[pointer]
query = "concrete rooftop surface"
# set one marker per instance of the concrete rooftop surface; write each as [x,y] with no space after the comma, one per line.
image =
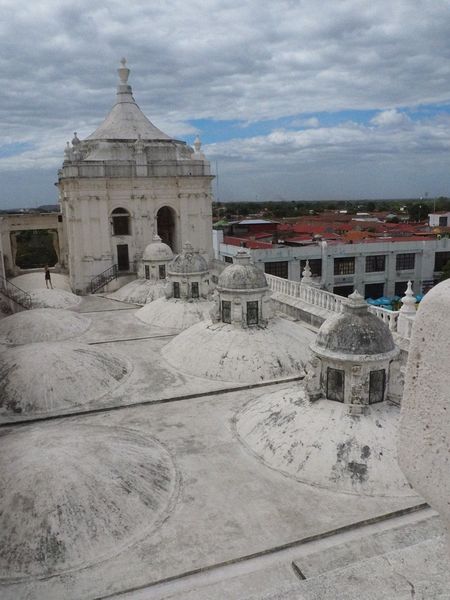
[137,484]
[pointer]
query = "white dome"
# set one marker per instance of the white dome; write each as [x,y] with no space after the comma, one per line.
[57,377]
[174,314]
[139,291]
[229,353]
[322,445]
[354,331]
[188,262]
[74,495]
[44,298]
[242,275]
[42,325]
[157,251]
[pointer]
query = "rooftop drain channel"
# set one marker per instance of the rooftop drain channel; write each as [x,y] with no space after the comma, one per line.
[107,409]
[234,563]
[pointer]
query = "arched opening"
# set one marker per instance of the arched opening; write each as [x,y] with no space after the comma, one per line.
[165,219]
[35,248]
[120,221]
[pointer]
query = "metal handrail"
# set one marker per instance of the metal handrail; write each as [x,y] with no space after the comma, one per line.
[15,293]
[103,278]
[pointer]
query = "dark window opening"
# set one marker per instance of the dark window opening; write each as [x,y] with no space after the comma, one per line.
[335,384]
[344,266]
[440,260]
[226,311]
[147,272]
[443,221]
[279,269]
[176,289]
[252,313]
[162,271]
[228,259]
[194,290]
[123,261]
[405,262]
[375,263]
[377,383]
[166,226]
[120,219]
[374,290]
[343,290]
[315,264]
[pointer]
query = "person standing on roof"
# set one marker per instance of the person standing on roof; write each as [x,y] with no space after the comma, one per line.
[48,280]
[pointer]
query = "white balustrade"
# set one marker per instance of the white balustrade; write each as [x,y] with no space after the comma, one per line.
[333,302]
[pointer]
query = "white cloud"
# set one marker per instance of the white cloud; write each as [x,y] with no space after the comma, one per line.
[391,118]
[222,59]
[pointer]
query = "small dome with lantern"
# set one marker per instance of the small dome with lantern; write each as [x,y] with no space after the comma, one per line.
[186,293]
[351,358]
[157,251]
[188,262]
[243,341]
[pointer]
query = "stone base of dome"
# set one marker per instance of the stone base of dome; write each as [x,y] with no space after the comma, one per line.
[320,444]
[42,325]
[175,314]
[74,495]
[232,354]
[140,291]
[51,377]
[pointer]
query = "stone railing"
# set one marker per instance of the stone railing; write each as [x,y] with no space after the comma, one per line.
[307,293]
[398,322]
[390,317]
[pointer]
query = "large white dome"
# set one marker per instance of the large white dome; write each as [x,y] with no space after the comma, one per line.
[74,495]
[174,313]
[42,325]
[139,291]
[320,444]
[51,377]
[229,353]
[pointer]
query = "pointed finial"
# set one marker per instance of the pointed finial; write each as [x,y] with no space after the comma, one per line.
[156,238]
[408,300]
[67,151]
[197,144]
[306,275]
[188,248]
[356,297]
[123,71]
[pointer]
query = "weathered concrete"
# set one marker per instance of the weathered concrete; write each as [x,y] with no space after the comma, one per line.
[43,378]
[320,444]
[42,325]
[424,436]
[176,314]
[225,352]
[75,495]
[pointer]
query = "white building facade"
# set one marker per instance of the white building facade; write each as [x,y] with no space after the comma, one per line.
[375,269]
[125,183]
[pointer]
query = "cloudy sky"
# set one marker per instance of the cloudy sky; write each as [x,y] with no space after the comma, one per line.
[293,99]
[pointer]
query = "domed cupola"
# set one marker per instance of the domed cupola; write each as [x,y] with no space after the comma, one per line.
[188,274]
[243,297]
[351,356]
[155,259]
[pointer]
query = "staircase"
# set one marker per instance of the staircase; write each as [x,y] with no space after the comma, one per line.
[14,293]
[99,281]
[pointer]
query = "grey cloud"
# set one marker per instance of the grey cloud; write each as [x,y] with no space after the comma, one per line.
[219,59]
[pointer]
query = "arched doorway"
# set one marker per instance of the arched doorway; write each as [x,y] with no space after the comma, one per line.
[165,219]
